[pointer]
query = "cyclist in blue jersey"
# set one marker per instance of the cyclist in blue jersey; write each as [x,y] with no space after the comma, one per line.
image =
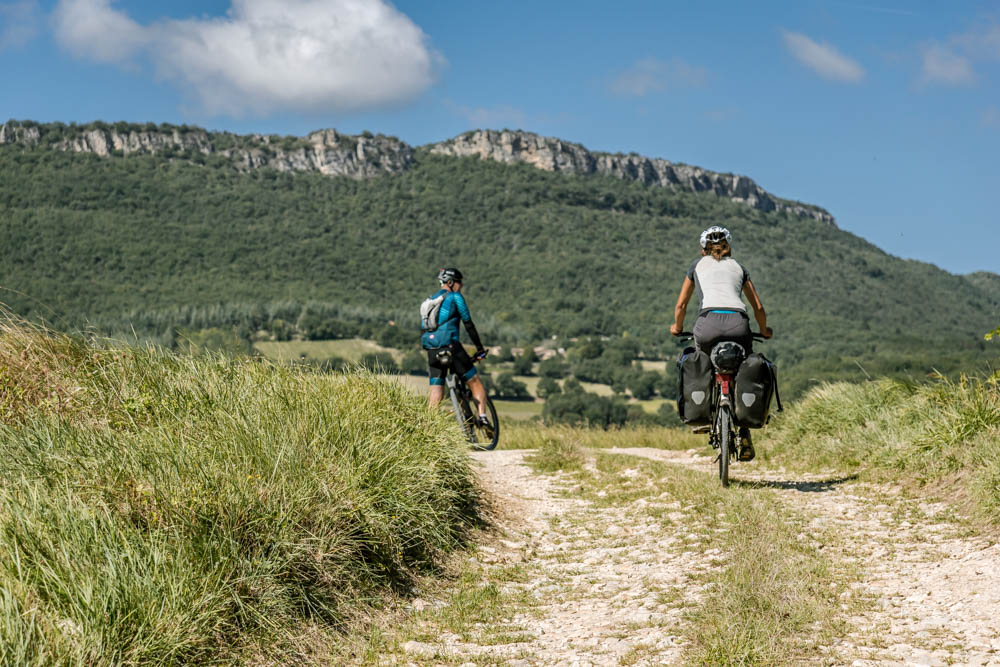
[720,280]
[444,341]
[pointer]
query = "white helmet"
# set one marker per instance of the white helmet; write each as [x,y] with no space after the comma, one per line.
[715,234]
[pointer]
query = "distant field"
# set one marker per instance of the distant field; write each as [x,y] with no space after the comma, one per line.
[519,409]
[648,365]
[350,349]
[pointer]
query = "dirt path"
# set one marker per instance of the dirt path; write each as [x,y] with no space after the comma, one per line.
[608,585]
[936,592]
[605,587]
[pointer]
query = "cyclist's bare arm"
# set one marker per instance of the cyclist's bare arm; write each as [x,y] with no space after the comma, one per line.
[758,309]
[680,310]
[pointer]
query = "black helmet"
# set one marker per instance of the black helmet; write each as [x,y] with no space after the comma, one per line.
[727,356]
[448,275]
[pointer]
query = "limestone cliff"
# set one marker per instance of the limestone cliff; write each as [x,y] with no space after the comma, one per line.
[556,155]
[366,155]
[324,151]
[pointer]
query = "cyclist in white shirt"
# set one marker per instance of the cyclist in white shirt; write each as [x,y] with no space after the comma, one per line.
[720,280]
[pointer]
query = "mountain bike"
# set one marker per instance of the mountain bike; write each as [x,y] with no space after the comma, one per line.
[724,435]
[482,436]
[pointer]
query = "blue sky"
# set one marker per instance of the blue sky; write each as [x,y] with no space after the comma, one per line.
[884,112]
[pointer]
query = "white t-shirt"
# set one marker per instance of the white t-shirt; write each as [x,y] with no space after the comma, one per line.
[719,282]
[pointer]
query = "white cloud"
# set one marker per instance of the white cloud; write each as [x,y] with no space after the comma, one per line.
[952,62]
[651,75]
[267,55]
[18,23]
[823,59]
[982,43]
[92,29]
[944,66]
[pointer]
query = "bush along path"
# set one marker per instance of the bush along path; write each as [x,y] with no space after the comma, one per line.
[637,556]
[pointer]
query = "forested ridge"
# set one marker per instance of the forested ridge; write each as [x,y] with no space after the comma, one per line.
[153,243]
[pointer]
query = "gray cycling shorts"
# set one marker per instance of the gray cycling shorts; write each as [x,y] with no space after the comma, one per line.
[713,327]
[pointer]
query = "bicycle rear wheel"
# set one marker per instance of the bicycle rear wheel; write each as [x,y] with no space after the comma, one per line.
[725,426]
[463,414]
[485,436]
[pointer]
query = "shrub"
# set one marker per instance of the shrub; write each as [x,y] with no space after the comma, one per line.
[414,362]
[506,387]
[642,385]
[166,509]
[547,387]
[585,408]
[553,367]
[380,362]
[400,338]
[523,365]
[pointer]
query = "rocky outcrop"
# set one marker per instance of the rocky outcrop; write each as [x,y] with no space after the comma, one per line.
[15,133]
[366,155]
[555,155]
[335,154]
[324,151]
[104,142]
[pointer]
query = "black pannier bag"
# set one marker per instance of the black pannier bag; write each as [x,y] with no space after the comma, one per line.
[756,383]
[694,397]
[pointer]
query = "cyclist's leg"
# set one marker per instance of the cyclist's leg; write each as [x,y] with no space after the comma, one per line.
[462,366]
[746,452]
[707,332]
[437,373]
[437,393]
[478,392]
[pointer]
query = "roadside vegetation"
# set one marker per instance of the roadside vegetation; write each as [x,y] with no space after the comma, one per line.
[162,509]
[941,434]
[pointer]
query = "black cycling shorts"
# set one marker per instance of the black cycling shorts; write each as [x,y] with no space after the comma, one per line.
[461,363]
[713,327]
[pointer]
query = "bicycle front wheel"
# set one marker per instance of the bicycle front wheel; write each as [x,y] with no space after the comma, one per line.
[725,426]
[485,436]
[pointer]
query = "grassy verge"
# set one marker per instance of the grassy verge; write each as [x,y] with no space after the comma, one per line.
[773,594]
[159,509]
[351,349]
[939,433]
[540,436]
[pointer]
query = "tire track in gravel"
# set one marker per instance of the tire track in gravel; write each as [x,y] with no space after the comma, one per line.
[608,584]
[936,592]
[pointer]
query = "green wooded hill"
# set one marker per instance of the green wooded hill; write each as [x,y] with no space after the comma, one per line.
[153,243]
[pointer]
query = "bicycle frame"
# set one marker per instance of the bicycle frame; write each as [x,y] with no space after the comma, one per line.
[461,402]
[724,435]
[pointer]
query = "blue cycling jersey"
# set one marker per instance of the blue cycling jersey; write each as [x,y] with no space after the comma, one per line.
[453,310]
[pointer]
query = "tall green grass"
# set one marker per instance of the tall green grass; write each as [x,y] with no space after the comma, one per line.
[533,435]
[157,509]
[937,432]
